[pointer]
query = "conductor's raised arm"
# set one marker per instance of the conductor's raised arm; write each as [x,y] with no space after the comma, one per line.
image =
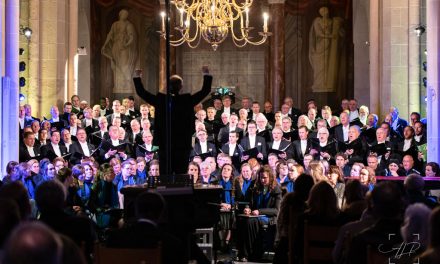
[206,88]
[140,90]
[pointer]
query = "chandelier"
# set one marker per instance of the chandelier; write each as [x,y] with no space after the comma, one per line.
[212,20]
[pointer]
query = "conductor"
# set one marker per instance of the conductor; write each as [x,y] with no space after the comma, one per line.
[181,114]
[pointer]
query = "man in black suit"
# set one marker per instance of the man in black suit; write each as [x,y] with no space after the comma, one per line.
[182,111]
[408,140]
[76,109]
[356,147]
[246,105]
[268,112]
[117,113]
[280,144]
[97,137]
[55,113]
[255,111]
[54,149]
[107,153]
[223,134]
[373,163]
[301,146]
[131,110]
[147,144]
[320,123]
[21,121]
[391,135]
[353,109]
[341,130]
[324,148]
[146,233]
[28,118]
[203,146]
[135,135]
[254,141]
[344,107]
[233,149]
[420,133]
[27,150]
[82,147]
[397,123]
[289,133]
[381,138]
[91,125]
[67,108]
[293,112]
[226,101]
[263,128]
[104,109]
[145,113]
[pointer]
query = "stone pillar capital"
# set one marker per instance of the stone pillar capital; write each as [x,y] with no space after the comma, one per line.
[273,2]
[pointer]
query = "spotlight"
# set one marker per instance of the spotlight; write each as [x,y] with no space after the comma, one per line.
[425,81]
[22,66]
[22,81]
[425,66]
[21,97]
[419,30]
[26,31]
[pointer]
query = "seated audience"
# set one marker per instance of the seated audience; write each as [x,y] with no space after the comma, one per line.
[432,254]
[51,197]
[322,210]
[146,232]
[292,205]
[414,185]
[387,208]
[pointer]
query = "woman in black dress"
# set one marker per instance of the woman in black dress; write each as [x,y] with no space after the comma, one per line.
[257,222]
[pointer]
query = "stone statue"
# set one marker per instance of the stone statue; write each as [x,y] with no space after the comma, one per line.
[323,50]
[120,48]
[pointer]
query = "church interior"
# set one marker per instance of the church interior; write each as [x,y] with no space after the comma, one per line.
[335,89]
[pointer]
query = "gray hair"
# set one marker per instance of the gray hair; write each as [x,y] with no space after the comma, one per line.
[416,224]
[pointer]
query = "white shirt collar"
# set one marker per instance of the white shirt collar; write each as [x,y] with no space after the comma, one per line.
[276,144]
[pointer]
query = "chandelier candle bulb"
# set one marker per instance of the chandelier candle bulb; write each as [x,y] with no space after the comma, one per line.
[266,17]
[162,14]
[181,17]
[247,16]
[213,13]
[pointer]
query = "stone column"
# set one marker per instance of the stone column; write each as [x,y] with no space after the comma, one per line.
[374,57]
[162,55]
[72,22]
[361,50]
[162,48]
[277,70]
[433,88]
[9,92]
[413,58]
